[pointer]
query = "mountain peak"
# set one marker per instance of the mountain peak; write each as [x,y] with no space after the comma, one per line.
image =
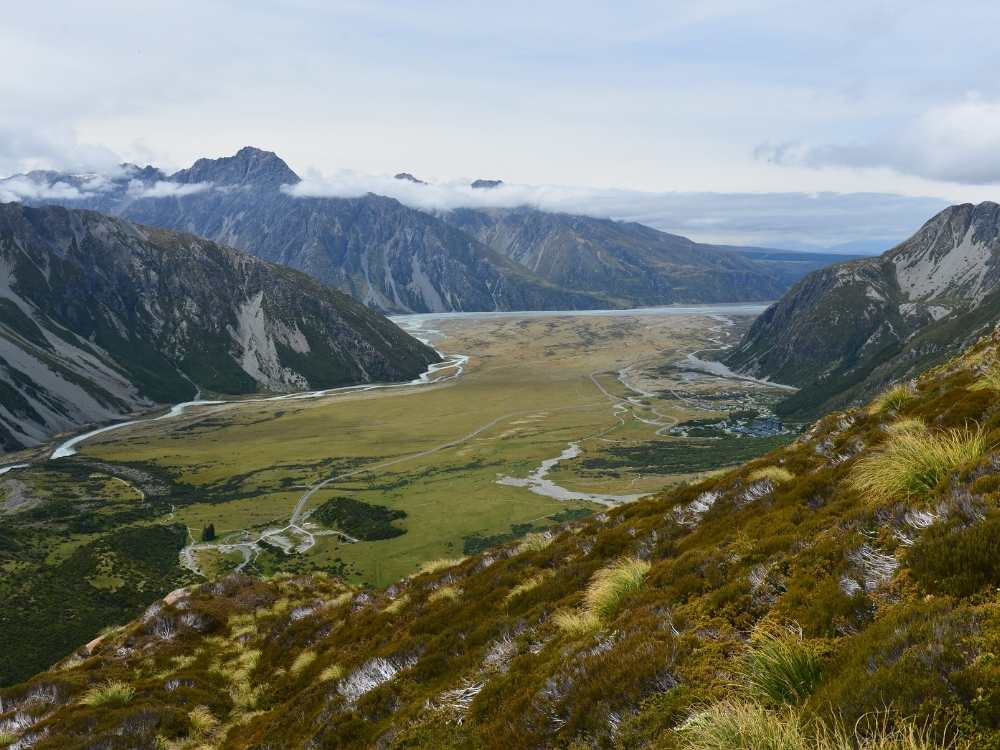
[486,184]
[409,178]
[248,166]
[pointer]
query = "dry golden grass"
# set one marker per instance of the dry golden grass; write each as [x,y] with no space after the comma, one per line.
[433,566]
[893,399]
[532,583]
[915,463]
[745,725]
[776,474]
[111,693]
[609,586]
[202,720]
[780,666]
[450,593]
[397,604]
[534,542]
[302,662]
[332,672]
[576,623]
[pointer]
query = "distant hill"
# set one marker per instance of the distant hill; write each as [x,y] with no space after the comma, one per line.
[846,331]
[100,317]
[400,259]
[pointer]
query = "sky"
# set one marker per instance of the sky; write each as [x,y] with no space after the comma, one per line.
[785,123]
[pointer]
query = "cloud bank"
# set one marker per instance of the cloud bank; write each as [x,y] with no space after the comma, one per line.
[792,220]
[956,142]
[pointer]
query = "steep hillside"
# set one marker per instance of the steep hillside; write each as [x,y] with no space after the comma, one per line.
[844,332]
[841,592]
[630,260]
[100,317]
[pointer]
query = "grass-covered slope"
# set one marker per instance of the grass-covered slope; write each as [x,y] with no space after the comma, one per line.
[839,592]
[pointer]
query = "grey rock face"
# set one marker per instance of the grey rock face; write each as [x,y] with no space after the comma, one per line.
[99,317]
[845,332]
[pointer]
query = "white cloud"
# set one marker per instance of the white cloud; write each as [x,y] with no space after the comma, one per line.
[166,189]
[955,142]
[769,219]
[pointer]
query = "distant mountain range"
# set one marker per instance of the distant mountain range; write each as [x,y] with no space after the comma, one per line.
[401,259]
[844,332]
[100,317]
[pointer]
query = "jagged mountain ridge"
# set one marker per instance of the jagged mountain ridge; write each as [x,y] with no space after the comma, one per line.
[893,601]
[844,332]
[400,259]
[100,317]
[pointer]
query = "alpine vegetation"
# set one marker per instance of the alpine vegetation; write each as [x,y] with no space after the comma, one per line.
[915,463]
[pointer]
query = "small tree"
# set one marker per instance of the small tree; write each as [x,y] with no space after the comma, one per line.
[208,533]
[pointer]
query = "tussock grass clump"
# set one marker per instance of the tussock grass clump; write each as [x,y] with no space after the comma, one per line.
[893,399]
[915,463]
[780,666]
[776,474]
[202,720]
[906,425]
[742,725]
[302,662]
[745,725]
[534,542]
[397,604]
[110,693]
[989,380]
[331,673]
[609,586]
[450,593]
[532,583]
[576,623]
[7,738]
[605,593]
[433,566]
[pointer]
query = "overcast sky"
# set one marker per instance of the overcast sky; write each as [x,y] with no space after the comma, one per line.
[800,99]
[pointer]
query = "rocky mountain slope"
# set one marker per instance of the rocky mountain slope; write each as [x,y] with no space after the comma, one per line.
[630,260]
[844,332]
[400,259]
[100,317]
[841,592]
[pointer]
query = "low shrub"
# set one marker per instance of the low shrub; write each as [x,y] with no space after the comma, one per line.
[915,463]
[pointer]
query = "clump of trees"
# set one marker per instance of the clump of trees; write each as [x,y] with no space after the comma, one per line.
[208,533]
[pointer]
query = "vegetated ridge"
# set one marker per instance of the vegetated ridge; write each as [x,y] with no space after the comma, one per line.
[840,592]
[100,317]
[844,332]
